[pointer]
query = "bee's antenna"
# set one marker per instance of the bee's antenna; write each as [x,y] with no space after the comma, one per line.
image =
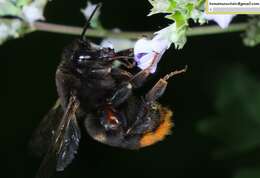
[88,21]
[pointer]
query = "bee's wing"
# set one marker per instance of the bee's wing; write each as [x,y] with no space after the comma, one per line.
[42,136]
[70,145]
[64,143]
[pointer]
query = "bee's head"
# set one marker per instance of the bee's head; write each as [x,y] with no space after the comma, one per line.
[87,52]
[83,53]
[86,56]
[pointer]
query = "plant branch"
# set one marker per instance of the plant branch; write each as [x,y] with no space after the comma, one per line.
[196,31]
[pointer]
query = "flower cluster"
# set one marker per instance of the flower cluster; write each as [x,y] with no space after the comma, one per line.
[27,10]
[149,52]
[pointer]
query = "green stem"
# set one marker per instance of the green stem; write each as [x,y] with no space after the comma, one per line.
[55,28]
[214,29]
[196,31]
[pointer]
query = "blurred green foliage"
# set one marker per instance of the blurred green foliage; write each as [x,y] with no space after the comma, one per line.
[23,13]
[248,173]
[252,34]
[236,124]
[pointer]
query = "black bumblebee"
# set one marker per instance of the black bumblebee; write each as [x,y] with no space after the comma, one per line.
[97,89]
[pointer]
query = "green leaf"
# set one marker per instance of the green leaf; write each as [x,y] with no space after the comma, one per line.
[179,19]
[173,5]
[189,7]
[8,8]
[23,2]
[200,4]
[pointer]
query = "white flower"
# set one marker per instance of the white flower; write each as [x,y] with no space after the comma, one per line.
[149,52]
[88,10]
[221,19]
[159,6]
[4,31]
[33,11]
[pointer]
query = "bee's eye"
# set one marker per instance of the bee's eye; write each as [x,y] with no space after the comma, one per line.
[81,57]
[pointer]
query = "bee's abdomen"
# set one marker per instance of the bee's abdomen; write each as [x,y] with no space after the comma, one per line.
[161,131]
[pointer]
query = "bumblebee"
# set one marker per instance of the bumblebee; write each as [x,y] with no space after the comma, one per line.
[97,89]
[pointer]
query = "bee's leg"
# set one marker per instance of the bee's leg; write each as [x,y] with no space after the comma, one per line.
[120,74]
[159,88]
[126,58]
[138,79]
[127,52]
[124,90]
[120,94]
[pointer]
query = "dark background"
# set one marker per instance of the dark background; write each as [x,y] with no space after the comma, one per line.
[31,62]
